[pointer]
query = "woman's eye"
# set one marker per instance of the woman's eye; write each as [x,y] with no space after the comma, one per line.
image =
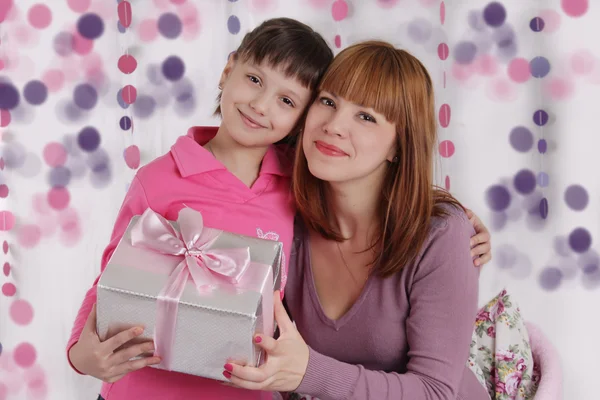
[367,117]
[253,79]
[327,101]
[287,101]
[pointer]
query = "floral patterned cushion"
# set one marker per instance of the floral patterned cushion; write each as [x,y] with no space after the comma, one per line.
[500,353]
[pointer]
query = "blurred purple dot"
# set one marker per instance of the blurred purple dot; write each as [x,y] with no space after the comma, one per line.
[498,198]
[144,106]
[90,26]
[590,269]
[498,221]
[508,52]
[121,101]
[539,67]
[88,139]
[173,68]
[233,25]
[35,92]
[521,139]
[63,44]
[98,160]
[543,179]
[588,258]
[504,36]
[9,96]
[576,197]
[568,267]
[169,25]
[59,176]
[101,177]
[522,268]
[77,166]
[125,123]
[72,112]
[154,74]
[85,96]
[506,256]
[464,52]
[542,146]
[540,117]
[550,278]
[419,30]
[494,14]
[536,24]
[580,240]
[120,27]
[524,181]
[561,246]
[475,20]
[14,155]
[544,208]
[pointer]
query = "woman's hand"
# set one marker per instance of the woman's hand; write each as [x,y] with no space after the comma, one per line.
[481,246]
[109,360]
[286,359]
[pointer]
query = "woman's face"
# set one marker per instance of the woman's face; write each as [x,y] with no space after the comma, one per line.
[345,142]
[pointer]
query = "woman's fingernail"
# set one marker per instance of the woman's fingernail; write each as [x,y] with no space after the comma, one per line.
[258,339]
[228,367]
[227,374]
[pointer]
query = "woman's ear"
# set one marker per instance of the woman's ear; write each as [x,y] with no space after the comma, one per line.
[227,70]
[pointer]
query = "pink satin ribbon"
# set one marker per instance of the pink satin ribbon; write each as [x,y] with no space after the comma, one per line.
[206,267]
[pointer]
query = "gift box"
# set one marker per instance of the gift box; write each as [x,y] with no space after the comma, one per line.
[200,293]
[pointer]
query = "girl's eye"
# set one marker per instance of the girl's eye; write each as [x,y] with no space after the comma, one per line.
[287,101]
[253,79]
[327,101]
[367,117]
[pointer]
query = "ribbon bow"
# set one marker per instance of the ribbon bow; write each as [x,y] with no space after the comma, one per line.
[205,266]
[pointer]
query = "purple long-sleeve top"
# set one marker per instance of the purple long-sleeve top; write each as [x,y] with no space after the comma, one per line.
[407,337]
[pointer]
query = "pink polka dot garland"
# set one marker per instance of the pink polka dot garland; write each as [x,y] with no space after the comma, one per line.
[148,30]
[5,247]
[29,236]
[3,191]
[9,289]
[124,13]
[7,220]
[442,12]
[53,79]
[443,51]
[447,183]
[25,355]
[444,115]
[55,154]
[337,41]
[58,198]
[446,148]
[339,10]
[39,16]
[21,312]
[518,70]
[81,45]
[132,156]
[4,118]
[79,6]
[6,269]
[575,8]
[129,94]
[127,64]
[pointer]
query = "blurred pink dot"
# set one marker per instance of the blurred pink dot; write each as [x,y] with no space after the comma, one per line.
[29,235]
[502,90]
[24,35]
[583,62]
[551,20]
[71,70]
[148,30]
[387,3]
[190,29]
[81,45]
[55,154]
[9,289]
[338,41]
[442,12]
[444,115]
[47,225]
[261,5]
[4,118]
[178,2]
[3,191]
[5,247]
[462,72]
[68,219]
[25,355]
[58,198]
[518,70]
[39,16]
[132,156]
[558,88]
[447,182]
[39,203]
[70,237]
[53,79]
[6,269]
[188,13]
[7,220]
[36,382]
[486,65]
[162,4]
[1,64]
[21,312]
[446,148]
[339,10]
[575,8]
[79,6]
[5,8]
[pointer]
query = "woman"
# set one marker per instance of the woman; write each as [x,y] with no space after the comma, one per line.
[380,284]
